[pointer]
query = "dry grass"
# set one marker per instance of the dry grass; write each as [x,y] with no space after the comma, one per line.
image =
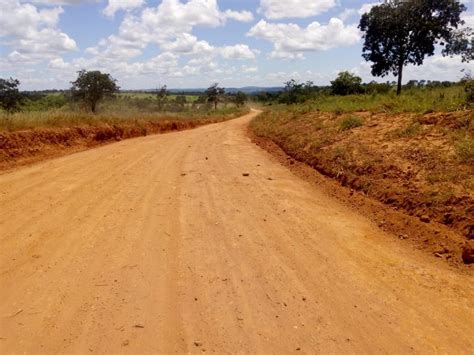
[67,118]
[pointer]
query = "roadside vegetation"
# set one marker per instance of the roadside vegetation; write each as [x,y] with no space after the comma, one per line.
[94,99]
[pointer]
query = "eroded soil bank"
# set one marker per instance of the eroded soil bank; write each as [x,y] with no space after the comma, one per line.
[416,164]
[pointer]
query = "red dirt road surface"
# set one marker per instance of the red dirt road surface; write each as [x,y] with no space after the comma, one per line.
[161,244]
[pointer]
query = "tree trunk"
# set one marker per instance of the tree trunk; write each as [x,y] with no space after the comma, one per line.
[93,104]
[400,76]
[215,105]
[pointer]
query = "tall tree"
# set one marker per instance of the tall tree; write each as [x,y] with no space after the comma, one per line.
[91,87]
[214,94]
[401,32]
[10,96]
[162,97]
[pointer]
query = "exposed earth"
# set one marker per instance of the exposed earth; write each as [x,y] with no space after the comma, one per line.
[200,241]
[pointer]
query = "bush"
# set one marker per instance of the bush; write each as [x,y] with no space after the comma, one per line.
[346,84]
[350,123]
[469,89]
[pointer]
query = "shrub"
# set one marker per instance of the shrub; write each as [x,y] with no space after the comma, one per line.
[346,84]
[350,123]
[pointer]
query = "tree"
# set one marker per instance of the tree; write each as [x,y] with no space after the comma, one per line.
[401,32]
[214,94]
[180,101]
[240,98]
[91,87]
[462,43]
[346,84]
[295,92]
[10,96]
[162,97]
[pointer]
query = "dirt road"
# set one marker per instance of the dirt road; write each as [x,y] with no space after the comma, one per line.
[160,244]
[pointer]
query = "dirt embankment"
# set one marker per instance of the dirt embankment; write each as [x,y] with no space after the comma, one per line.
[24,147]
[417,164]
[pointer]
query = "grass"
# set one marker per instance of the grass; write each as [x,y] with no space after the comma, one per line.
[351,122]
[67,118]
[465,150]
[411,100]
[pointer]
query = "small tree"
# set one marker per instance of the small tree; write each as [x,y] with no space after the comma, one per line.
[400,32]
[10,96]
[214,94]
[240,98]
[346,84]
[91,87]
[162,97]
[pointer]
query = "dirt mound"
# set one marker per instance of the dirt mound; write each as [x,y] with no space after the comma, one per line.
[23,147]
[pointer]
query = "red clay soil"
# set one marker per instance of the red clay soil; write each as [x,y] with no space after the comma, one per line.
[386,177]
[25,147]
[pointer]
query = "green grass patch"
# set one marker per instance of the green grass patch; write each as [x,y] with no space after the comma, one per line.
[465,150]
[351,122]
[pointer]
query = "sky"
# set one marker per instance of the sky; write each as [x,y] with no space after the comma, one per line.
[145,44]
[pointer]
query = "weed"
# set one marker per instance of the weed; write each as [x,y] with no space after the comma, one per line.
[350,123]
[413,129]
[465,150]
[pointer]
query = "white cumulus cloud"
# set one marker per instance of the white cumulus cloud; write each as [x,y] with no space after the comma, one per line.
[277,9]
[291,40]
[33,33]
[124,5]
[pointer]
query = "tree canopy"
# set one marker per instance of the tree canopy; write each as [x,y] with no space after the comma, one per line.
[92,86]
[214,94]
[346,84]
[10,96]
[401,32]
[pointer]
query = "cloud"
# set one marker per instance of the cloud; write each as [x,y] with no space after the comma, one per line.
[33,34]
[278,9]
[436,67]
[124,5]
[248,69]
[291,40]
[60,2]
[238,51]
[241,16]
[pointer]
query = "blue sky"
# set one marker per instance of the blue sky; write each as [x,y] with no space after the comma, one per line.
[192,43]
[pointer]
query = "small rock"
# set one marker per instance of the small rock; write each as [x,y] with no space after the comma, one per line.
[139,326]
[468,252]
[125,343]
[245,174]
[198,343]
[425,219]
[402,236]
[298,349]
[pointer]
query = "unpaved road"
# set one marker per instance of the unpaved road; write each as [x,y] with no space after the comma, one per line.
[160,244]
